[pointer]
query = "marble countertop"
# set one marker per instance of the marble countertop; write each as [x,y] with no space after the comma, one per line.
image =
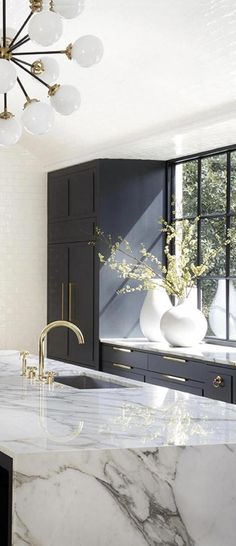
[214,354]
[42,419]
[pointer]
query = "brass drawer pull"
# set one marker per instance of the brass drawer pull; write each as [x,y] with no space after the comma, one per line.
[62,300]
[218,381]
[174,359]
[182,379]
[121,350]
[70,302]
[123,366]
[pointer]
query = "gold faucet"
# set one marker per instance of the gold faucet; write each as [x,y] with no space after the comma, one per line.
[49,376]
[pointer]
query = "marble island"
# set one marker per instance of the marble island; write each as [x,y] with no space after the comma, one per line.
[136,465]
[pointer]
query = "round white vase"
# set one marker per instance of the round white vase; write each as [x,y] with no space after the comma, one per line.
[156,303]
[184,325]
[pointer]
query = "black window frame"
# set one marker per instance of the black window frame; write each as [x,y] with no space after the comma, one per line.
[228,214]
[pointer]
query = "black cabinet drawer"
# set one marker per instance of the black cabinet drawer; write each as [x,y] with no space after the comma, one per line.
[177,365]
[71,231]
[121,355]
[218,385]
[122,370]
[177,383]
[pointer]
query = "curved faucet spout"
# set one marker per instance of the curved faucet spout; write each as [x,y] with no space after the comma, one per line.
[44,333]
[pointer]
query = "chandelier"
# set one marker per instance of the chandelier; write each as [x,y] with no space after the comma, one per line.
[45,27]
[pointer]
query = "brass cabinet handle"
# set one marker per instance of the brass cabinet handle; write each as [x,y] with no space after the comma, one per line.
[122,350]
[182,379]
[123,366]
[70,302]
[174,359]
[218,381]
[62,300]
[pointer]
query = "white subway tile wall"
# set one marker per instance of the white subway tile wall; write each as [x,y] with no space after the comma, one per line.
[23,249]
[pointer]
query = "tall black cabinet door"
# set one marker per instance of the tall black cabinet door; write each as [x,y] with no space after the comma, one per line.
[58,199]
[82,298]
[82,193]
[58,299]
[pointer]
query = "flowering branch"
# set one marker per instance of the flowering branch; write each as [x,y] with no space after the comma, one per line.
[181,271]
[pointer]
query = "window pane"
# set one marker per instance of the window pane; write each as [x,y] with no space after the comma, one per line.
[233,248]
[233,182]
[213,295]
[213,234]
[186,189]
[214,184]
[232,310]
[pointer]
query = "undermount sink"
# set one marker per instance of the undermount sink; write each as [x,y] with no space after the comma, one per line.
[87,382]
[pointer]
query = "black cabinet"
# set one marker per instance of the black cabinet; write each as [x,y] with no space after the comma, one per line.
[58,283]
[71,297]
[6,466]
[174,372]
[176,382]
[71,193]
[123,197]
[219,384]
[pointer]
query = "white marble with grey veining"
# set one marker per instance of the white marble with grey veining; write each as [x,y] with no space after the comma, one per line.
[138,466]
[207,352]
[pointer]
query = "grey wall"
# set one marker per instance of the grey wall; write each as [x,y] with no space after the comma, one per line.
[132,200]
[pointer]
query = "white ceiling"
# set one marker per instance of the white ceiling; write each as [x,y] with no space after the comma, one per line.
[166,86]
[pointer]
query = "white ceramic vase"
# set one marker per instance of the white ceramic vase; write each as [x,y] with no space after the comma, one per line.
[156,303]
[184,325]
[217,311]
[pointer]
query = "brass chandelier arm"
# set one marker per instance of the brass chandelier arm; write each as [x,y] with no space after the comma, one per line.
[20,43]
[5,103]
[17,62]
[24,62]
[59,52]
[21,28]
[23,89]
[4,22]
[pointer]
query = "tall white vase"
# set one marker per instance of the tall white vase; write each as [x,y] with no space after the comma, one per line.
[217,311]
[156,303]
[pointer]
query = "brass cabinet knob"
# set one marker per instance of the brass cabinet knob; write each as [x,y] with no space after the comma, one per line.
[218,381]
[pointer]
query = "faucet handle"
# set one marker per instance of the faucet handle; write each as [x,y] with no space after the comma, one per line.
[48,377]
[31,372]
[23,358]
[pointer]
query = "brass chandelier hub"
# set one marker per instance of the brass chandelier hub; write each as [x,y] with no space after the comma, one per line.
[5,53]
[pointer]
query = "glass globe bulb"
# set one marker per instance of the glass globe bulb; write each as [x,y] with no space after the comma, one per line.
[10,131]
[10,33]
[68,9]
[8,76]
[66,100]
[45,28]
[87,50]
[38,118]
[50,69]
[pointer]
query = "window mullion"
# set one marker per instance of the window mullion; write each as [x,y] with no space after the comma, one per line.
[199,207]
[228,246]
